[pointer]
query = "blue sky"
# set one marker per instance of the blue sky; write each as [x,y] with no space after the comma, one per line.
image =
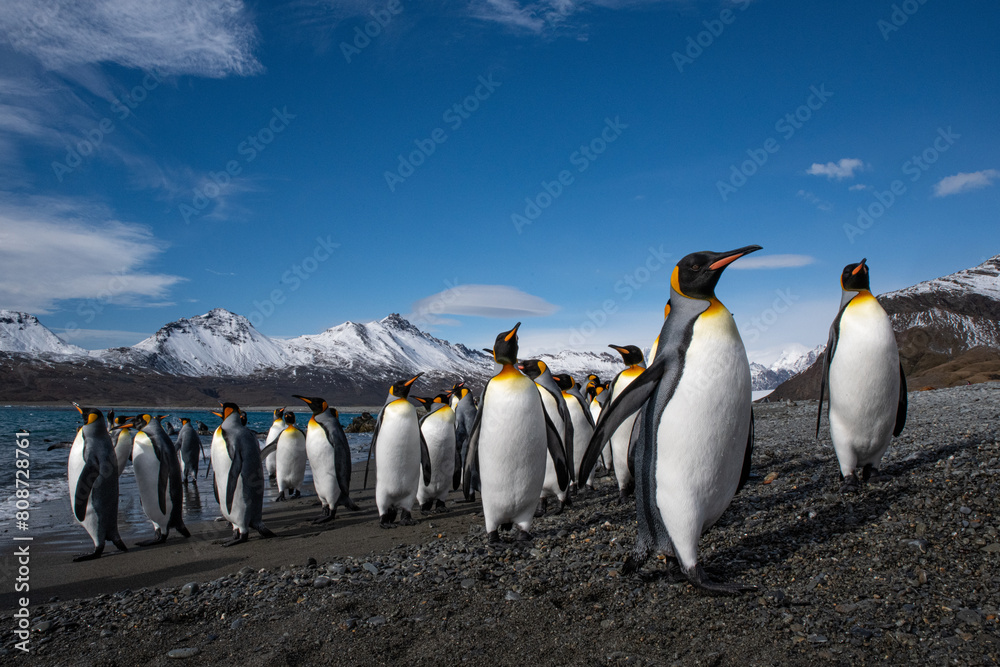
[471,164]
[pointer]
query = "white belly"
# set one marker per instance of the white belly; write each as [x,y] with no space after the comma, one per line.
[512,451]
[702,436]
[74,468]
[864,385]
[290,459]
[439,433]
[146,467]
[582,430]
[550,487]
[397,458]
[622,436]
[123,448]
[323,465]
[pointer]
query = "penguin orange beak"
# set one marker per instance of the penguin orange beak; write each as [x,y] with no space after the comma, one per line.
[859,267]
[412,380]
[512,332]
[730,257]
[622,350]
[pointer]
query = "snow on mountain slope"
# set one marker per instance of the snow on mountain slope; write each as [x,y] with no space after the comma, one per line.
[23,333]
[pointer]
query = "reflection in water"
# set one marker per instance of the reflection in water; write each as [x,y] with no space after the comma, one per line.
[192,498]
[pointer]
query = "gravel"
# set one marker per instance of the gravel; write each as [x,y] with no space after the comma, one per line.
[903,572]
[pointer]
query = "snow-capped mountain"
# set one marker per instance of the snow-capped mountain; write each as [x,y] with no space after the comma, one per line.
[791,362]
[23,333]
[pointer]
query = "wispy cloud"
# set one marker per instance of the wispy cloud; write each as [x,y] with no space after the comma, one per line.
[962,182]
[54,249]
[541,16]
[821,204]
[859,186]
[772,262]
[839,170]
[212,38]
[496,301]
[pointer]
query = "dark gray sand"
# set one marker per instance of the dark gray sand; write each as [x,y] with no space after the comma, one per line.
[903,572]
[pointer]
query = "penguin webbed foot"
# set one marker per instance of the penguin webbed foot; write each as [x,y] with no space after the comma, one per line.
[405,519]
[851,484]
[297,494]
[91,556]
[543,506]
[280,498]
[699,579]
[264,531]
[523,536]
[427,506]
[439,506]
[493,537]
[182,529]
[158,538]
[238,539]
[119,543]
[327,516]
[871,474]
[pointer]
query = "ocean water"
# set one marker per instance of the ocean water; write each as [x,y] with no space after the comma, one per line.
[49,488]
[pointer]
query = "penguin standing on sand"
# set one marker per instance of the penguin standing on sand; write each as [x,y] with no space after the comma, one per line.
[329,457]
[154,453]
[122,435]
[239,476]
[290,458]
[695,426]
[510,442]
[558,414]
[92,471]
[277,426]
[400,457]
[866,382]
[583,422]
[190,447]
[621,438]
[465,417]
[438,430]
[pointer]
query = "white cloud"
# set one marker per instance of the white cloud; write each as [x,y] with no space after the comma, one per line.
[772,262]
[821,204]
[212,38]
[56,249]
[859,186]
[843,168]
[539,16]
[496,301]
[962,182]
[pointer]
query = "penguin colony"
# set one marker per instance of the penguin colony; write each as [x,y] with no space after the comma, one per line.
[677,433]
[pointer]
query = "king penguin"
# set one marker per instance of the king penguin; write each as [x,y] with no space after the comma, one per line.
[93,483]
[438,430]
[557,412]
[465,417]
[239,476]
[329,457]
[866,382]
[583,421]
[122,435]
[190,447]
[695,437]
[510,441]
[621,438]
[400,457]
[290,459]
[277,427]
[160,477]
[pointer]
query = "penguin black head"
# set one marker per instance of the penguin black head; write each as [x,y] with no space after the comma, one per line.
[697,274]
[316,404]
[505,347]
[278,412]
[422,400]
[564,381]
[228,409]
[90,415]
[402,389]
[532,367]
[442,398]
[631,354]
[289,417]
[855,277]
[185,420]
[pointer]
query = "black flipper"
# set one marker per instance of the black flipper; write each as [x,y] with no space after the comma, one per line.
[472,455]
[624,405]
[456,478]
[371,447]
[163,481]
[901,408]
[556,451]
[270,448]
[745,473]
[234,476]
[831,347]
[425,459]
[85,484]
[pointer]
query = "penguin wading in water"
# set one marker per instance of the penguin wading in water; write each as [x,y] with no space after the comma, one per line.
[558,414]
[289,448]
[438,429]
[160,477]
[866,382]
[239,476]
[92,472]
[695,438]
[329,457]
[190,447]
[510,442]
[400,457]
[621,438]
[583,421]
[277,426]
